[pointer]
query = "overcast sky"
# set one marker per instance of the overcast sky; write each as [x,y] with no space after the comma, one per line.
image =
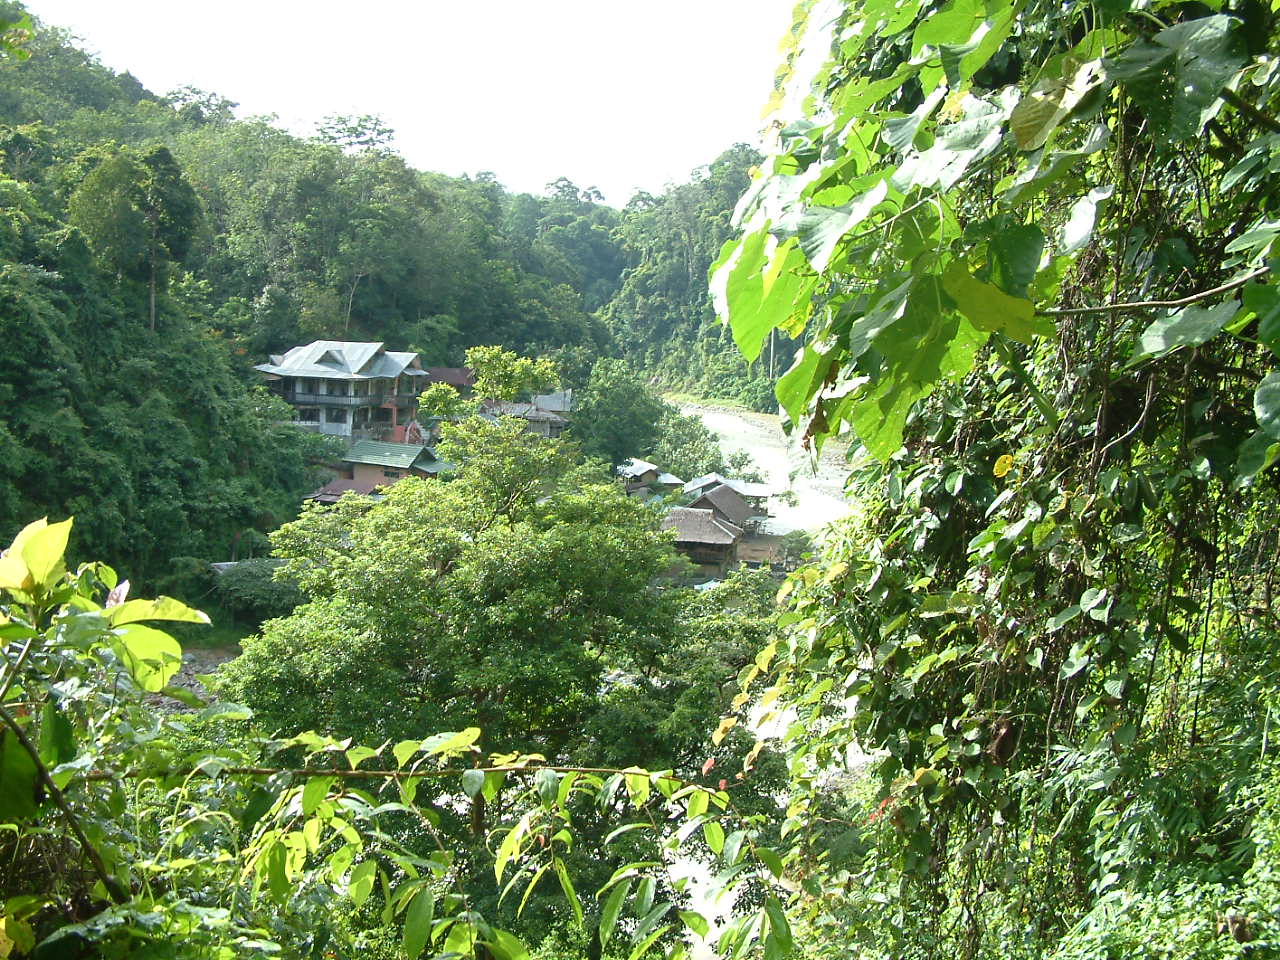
[618,95]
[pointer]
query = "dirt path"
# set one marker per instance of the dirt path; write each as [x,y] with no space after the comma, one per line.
[819,493]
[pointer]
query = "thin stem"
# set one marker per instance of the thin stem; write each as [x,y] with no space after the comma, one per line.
[113,888]
[1250,111]
[1158,304]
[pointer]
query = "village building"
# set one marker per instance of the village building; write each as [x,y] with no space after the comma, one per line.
[544,423]
[560,403]
[757,494]
[371,465]
[706,539]
[642,476]
[347,389]
[727,504]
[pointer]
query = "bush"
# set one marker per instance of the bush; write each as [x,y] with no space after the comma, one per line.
[250,592]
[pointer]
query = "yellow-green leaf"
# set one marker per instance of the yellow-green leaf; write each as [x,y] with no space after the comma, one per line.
[151,656]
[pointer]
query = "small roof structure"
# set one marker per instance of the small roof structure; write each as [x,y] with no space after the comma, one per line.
[454,376]
[343,360]
[383,454]
[669,480]
[635,468]
[525,411]
[745,488]
[332,491]
[559,402]
[727,503]
[700,526]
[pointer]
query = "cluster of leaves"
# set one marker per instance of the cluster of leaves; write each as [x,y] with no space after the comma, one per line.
[661,317]
[133,830]
[1026,249]
[618,416]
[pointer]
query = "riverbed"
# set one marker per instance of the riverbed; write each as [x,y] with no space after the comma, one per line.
[818,484]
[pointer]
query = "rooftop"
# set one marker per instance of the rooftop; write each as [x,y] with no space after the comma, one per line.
[744,488]
[700,526]
[383,454]
[727,502]
[342,360]
[559,402]
[635,468]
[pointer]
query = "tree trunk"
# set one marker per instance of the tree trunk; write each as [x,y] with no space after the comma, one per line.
[152,292]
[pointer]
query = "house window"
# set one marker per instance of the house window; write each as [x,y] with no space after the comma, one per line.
[336,415]
[308,415]
[393,474]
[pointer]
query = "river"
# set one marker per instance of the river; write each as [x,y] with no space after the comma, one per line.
[818,488]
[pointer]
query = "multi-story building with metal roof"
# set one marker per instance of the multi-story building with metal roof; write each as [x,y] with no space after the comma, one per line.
[345,389]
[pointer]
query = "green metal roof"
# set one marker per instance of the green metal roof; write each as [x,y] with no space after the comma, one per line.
[402,455]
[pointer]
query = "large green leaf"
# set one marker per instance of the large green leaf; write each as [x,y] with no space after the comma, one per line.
[161,608]
[798,384]
[417,922]
[1049,102]
[992,310]
[958,145]
[1082,219]
[1266,404]
[759,284]
[44,549]
[151,656]
[57,736]
[1264,300]
[1257,453]
[920,350]
[1177,76]
[17,780]
[821,229]
[1188,327]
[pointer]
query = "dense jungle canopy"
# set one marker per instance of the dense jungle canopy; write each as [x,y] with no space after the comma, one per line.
[153,248]
[1018,255]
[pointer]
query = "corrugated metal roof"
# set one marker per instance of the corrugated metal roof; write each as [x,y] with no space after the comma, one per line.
[340,360]
[558,402]
[385,454]
[635,467]
[744,487]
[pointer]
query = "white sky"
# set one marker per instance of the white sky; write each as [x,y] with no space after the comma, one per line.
[618,95]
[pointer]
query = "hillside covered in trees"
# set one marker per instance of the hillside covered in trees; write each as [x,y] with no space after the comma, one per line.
[152,248]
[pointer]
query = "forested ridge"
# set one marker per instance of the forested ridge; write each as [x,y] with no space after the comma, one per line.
[155,247]
[1017,255]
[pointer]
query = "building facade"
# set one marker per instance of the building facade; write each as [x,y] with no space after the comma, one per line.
[346,389]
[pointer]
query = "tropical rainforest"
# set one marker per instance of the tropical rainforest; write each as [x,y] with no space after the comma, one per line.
[1016,256]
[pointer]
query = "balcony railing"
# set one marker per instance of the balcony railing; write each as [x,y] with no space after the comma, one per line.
[332,400]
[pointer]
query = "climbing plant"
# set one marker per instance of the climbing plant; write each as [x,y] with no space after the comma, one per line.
[1027,249]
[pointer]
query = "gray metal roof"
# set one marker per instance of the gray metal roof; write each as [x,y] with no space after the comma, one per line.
[342,360]
[559,402]
[744,487]
[635,467]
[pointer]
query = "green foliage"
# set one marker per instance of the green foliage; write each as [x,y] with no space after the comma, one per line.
[662,316]
[1024,252]
[616,416]
[493,599]
[504,375]
[252,593]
